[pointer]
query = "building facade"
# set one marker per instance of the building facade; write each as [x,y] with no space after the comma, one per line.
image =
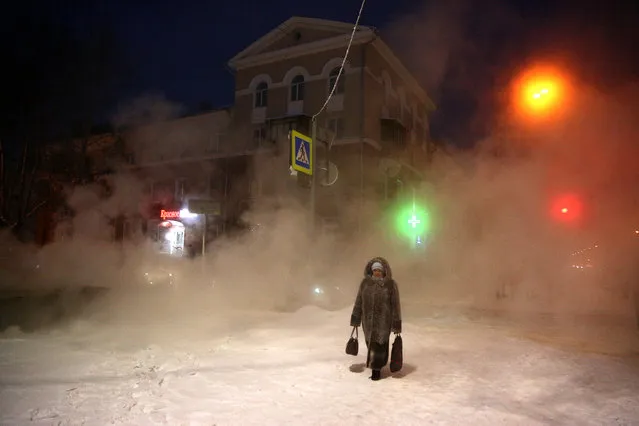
[374,132]
[374,128]
[190,158]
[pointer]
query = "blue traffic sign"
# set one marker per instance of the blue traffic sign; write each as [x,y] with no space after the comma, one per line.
[301,153]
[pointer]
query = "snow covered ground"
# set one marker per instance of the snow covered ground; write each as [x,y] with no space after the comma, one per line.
[244,368]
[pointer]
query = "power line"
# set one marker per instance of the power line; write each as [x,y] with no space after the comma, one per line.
[314,122]
[341,68]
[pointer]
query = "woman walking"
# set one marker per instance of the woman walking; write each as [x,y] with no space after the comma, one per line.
[378,310]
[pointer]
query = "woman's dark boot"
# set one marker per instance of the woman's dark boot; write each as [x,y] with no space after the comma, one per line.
[377,374]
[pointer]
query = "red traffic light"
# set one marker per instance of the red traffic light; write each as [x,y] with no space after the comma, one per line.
[566,208]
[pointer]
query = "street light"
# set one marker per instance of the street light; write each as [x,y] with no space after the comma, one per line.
[540,92]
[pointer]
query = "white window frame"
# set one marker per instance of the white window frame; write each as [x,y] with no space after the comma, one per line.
[260,99]
[297,88]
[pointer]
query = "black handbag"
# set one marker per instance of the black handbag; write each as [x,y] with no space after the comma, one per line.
[397,355]
[352,346]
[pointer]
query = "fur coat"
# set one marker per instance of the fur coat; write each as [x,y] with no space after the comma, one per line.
[377,307]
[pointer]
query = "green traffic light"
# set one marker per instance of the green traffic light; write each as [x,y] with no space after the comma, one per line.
[412,221]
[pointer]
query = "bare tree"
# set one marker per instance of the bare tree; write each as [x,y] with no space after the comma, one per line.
[55,85]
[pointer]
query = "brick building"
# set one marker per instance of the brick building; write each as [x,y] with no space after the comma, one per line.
[376,123]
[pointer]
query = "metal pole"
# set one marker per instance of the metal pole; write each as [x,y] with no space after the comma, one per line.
[385,186]
[327,162]
[204,236]
[362,130]
[313,168]
[203,262]
[413,188]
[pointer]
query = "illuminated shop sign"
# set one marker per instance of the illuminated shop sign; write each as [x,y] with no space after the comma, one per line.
[169,214]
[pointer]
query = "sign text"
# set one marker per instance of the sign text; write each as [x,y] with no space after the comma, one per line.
[169,214]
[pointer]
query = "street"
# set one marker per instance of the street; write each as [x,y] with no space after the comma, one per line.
[200,363]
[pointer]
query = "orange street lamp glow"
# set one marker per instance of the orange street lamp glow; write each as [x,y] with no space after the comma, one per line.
[540,92]
[541,95]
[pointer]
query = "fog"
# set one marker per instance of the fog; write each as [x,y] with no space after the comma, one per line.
[498,240]
[496,219]
[494,243]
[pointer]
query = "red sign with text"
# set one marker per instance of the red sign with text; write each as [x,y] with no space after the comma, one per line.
[169,214]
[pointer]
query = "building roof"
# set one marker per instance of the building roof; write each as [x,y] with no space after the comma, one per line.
[343,30]
[293,23]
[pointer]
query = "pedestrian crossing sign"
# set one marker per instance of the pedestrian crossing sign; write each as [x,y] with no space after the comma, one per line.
[301,153]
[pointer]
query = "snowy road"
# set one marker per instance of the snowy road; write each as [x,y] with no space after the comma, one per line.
[280,369]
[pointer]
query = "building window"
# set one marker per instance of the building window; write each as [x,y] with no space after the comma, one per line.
[393,132]
[336,125]
[297,88]
[259,136]
[332,79]
[261,95]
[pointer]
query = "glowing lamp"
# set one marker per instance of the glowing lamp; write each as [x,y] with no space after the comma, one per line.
[412,221]
[540,92]
[186,214]
[566,208]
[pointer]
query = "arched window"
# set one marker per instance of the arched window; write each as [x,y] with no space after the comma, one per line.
[297,88]
[261,95]
[332,78]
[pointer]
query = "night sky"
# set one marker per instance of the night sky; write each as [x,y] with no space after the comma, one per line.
[180,48]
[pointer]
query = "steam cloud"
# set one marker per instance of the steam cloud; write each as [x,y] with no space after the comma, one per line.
[491,230]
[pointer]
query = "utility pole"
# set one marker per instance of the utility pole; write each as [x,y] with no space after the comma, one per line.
[204,219]
[205,224]
[313,173]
